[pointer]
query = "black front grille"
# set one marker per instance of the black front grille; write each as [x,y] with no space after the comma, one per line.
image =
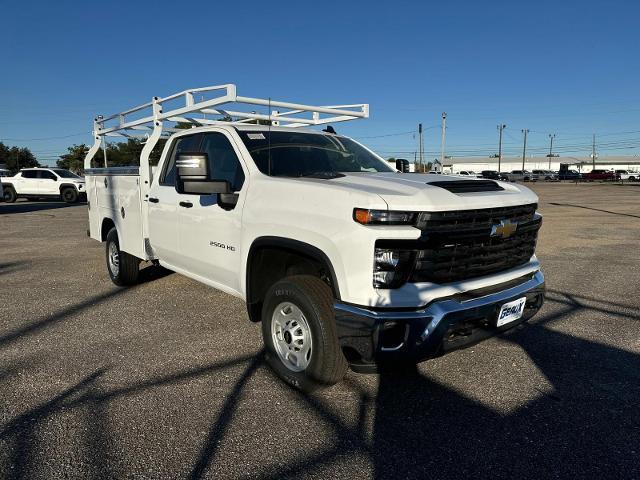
[458,245]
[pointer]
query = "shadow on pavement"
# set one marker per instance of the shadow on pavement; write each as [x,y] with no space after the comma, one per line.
[594,209]
[586,426]
[10,267]
[26,207]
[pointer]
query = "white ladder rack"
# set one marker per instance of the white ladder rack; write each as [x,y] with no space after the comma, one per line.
[149,119]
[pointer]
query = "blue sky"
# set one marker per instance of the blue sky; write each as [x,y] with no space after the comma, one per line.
[565,67]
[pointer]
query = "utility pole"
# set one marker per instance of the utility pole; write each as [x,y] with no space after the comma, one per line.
[524,147]
[444,134]
[551,137]
[593,151]
[501,127]
[420,146]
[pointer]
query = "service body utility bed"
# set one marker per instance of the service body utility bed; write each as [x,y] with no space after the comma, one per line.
[344,260]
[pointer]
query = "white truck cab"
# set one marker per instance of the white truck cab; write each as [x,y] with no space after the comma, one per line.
[40,182]
[344,260]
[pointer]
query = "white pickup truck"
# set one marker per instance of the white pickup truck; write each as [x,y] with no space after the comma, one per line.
[344,260]
[32,183]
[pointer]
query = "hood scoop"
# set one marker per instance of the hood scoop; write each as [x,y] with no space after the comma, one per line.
[468,186]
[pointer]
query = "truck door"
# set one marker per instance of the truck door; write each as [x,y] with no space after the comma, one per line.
[209,232]
[48,183]
[28,182]
[163,204]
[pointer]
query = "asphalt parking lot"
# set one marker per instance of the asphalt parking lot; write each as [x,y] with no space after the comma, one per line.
[166,380]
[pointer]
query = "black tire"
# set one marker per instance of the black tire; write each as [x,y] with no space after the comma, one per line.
[128,267]
[9,194]
[69,195]
[327,364]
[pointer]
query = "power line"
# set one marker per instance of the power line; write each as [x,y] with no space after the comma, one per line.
[43,138]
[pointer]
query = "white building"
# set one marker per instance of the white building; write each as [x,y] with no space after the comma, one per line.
[582,164]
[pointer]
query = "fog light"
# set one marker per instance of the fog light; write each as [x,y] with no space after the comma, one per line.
[387,258]
[382,279]
[391,268]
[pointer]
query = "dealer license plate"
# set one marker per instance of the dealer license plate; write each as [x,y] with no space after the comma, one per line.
[510,312]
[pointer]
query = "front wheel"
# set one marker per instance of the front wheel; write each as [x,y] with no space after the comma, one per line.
[9,195]
[299,333]
[70,195]
[123,267]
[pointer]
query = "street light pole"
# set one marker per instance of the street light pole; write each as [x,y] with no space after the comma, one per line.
[444,136]
[524,148]
[501,127]
[551,137]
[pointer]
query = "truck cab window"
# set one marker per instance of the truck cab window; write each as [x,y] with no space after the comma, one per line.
[44,174]
[189,143]
[223,161]
[30,174]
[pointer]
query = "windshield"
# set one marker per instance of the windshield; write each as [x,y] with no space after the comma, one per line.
[301,154]
[65,173]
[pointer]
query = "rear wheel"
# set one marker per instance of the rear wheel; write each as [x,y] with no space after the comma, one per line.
[299,332]
[123,267]
[70,195]
[9,194]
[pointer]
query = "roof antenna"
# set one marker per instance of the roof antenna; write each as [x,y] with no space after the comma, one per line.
[329,129]
[269,140]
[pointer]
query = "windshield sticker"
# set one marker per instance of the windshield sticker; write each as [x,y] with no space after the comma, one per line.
[255,136]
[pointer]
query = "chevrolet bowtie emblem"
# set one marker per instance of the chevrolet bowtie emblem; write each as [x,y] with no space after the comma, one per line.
[504,229]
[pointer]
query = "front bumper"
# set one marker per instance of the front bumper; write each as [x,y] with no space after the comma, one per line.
[371,338]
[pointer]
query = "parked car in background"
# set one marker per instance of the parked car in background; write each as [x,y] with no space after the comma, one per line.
[522,176]
[569,175]
[493,175]
[469,173]
[602,175]
[33,183]
[546,175]
[4,172]
[628,175]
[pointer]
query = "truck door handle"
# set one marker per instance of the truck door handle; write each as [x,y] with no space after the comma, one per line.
[153,200]
[186,204]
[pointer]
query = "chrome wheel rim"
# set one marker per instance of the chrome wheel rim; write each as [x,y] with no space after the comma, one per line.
[114,259]
[291,336]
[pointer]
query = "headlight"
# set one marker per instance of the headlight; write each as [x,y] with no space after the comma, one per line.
[383,217]
[391,268]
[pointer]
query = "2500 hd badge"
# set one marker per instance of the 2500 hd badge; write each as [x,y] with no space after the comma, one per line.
[222,245]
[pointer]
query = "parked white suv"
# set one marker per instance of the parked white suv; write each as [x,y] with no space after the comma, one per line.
[34,183]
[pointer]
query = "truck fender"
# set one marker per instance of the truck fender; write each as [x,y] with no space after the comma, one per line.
[107,224]
[67,185]
[294,246]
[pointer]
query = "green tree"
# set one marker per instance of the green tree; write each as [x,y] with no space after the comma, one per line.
[74,159]
[16,158]
[118,155]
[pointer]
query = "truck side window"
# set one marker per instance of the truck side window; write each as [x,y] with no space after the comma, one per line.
[47,175]
[189,143]
[30,174]
[223,161]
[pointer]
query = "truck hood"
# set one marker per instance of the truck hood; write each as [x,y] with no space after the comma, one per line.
[413,191]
